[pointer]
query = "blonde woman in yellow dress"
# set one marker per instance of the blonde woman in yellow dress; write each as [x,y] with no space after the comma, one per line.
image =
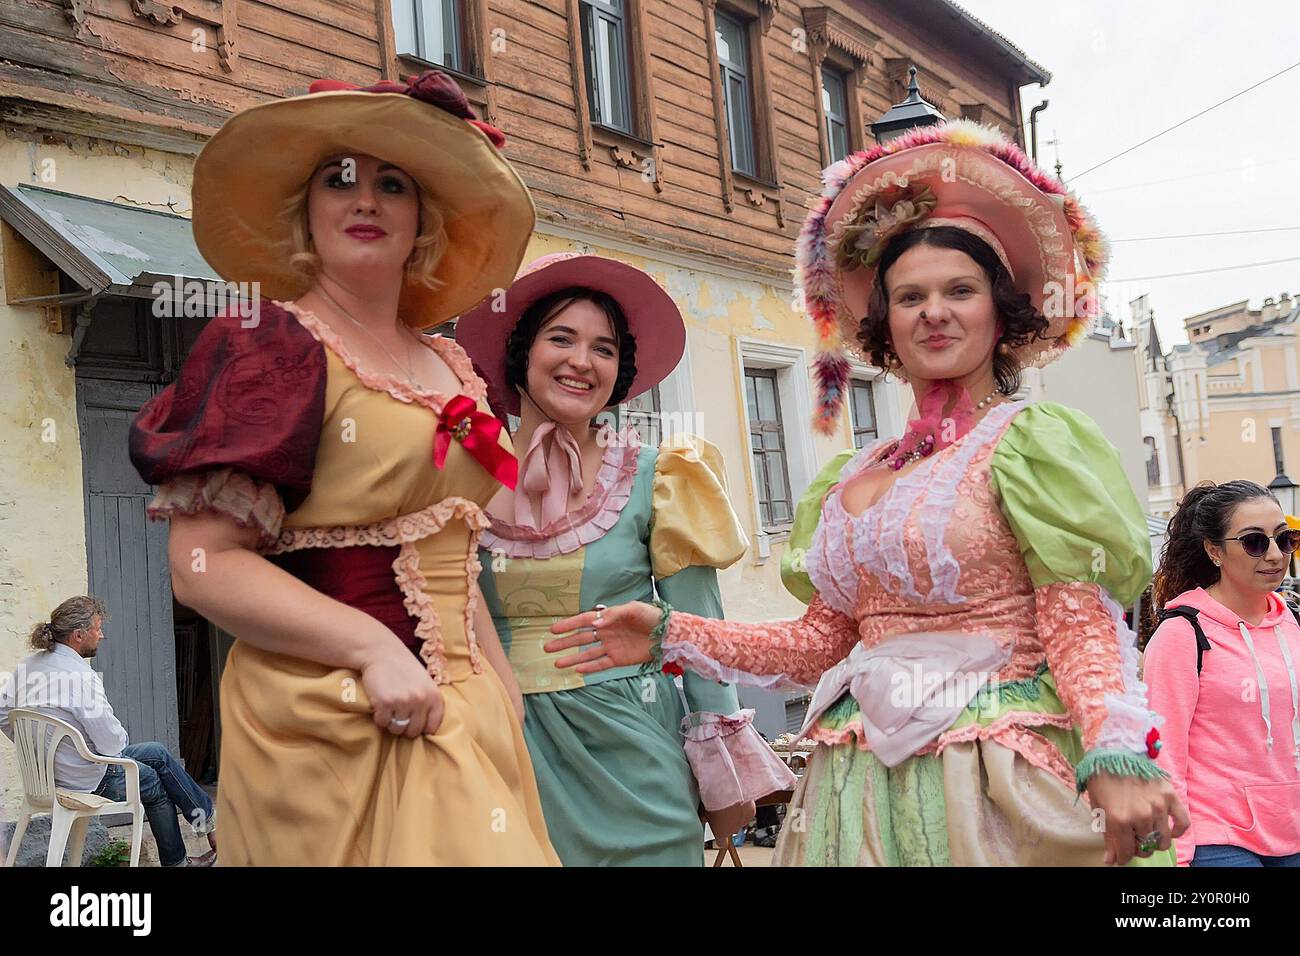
[324,467]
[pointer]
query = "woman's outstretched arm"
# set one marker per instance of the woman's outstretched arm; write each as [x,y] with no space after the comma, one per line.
[771,654]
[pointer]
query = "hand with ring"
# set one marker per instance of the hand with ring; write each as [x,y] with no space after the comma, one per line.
[404,699]
[620,635]
[1141,816]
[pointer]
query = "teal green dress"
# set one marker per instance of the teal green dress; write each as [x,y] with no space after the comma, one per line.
[607,748]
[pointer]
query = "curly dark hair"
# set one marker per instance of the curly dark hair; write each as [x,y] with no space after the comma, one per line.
[1021,322]
[1203,515]
[543,310]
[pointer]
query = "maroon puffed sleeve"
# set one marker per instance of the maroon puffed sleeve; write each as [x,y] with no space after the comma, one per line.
[249,401]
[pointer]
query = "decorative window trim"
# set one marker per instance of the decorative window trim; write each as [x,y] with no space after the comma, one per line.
[477,83]
[625,151]
[849,49]
[791,365]
[215,13]
[758,190]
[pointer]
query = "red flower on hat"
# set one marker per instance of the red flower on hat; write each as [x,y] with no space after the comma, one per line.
[432,86]
[436,87]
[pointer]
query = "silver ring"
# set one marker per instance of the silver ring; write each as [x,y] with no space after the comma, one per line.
[402,724]
[600,609]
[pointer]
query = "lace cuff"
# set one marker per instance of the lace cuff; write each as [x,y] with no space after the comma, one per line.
[251,503]
[780,654]
[731,761]
[1094,658]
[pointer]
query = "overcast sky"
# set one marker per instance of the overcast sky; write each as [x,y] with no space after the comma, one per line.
[1123,70]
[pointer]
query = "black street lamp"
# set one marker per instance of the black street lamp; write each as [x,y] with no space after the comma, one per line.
[1285,489]
[912,112]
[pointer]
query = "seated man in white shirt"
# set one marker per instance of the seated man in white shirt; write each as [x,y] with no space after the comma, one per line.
[57,680]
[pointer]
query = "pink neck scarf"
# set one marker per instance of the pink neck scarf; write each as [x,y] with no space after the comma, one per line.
[549,473]
[937,426]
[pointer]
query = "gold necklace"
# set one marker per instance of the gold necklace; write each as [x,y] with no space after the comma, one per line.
[408,369]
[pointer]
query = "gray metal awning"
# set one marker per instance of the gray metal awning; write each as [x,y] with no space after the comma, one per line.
[106,248]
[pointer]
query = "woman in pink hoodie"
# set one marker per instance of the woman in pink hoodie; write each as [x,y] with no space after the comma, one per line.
[1231,737]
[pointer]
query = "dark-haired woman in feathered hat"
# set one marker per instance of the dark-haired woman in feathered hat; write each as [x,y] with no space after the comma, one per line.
[966,634]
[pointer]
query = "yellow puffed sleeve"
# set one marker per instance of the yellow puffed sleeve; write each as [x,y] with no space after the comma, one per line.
[693,521]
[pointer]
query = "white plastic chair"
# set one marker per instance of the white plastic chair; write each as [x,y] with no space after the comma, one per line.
[37,736]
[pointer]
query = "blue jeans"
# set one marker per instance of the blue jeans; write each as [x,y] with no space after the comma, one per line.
[165,787]
[1221,855]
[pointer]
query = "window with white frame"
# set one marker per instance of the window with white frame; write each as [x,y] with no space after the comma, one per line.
[862,406]
[776,389]
[605,53]
[767,444]
[433,31]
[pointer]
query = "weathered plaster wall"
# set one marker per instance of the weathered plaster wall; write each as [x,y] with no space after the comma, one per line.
[42,516]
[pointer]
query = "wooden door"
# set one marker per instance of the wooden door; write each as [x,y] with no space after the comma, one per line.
[127,556]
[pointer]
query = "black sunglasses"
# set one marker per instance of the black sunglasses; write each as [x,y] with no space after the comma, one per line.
[1255,543]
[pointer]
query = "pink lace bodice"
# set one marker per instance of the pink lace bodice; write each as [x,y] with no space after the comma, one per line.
[936,554]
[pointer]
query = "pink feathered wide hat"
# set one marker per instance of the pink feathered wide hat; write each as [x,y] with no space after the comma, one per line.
[955,174]
[653,318]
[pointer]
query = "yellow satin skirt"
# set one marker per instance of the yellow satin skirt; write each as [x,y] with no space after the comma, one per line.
[307,779]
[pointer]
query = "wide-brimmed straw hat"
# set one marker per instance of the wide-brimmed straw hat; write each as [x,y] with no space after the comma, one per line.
[653,318]
[262,156]
[956,174]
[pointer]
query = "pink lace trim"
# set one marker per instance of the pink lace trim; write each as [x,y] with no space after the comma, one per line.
[694,659]
[829,565]
[1094,658]
[588,523]
[786,654]
[387,533]
[1011,730]
[405,531]
[1128,717]
[940,500]
[880,532]
[251,503]
[450,352]
[419,605]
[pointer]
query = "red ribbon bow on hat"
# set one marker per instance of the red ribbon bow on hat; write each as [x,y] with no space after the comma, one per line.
[478,433]
[432,86]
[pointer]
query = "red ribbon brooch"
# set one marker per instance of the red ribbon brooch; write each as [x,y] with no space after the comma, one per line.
[478,432]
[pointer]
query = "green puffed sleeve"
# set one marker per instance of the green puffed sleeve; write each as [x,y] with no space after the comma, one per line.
[807,514]
[1068,501]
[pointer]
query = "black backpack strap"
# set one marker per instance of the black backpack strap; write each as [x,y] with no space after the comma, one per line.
[1188,614]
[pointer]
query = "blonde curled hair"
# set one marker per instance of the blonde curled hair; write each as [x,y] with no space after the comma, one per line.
[422,264]
[75,614]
